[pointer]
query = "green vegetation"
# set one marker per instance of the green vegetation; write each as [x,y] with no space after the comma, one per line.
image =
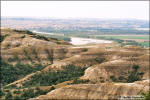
[97,31]
[50,78]
[79,81]
[8,96]
[52,88]
[145,44]
[1,93]
[132,42]
[27,93]
[113,78]
[12,59]
[65,38]
[2,37]
[25,31]
[121,78]
[124,37]
[102,81]
[56,37]
[118,39]
[23,36]
[134,75]
[111,35]
[40,37]
[100,60]
[146,95]
[17,92]
[11,73]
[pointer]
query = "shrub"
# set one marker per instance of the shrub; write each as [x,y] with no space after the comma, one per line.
[146,95]
[135,67]
[141,73]
[121,78]
[11,73]
[40,37]
[1,93]
[24,31]
[79,81]
[113,78]
[2,37]
[23,36]
[52,88]
[29,93]
[12,59]
[100,60]
[18,98]
[6,90]
[29,32]
[133,76]
[102,81]
[17,92]
[50,78]
[8,96]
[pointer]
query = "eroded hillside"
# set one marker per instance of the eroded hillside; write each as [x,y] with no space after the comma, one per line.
[93,71]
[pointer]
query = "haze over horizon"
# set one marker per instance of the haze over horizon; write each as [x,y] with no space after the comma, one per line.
[76,9]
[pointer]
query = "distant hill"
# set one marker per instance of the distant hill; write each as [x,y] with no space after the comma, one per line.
[77,25]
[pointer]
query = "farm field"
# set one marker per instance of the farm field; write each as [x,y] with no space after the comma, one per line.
[142,37]
[138,40]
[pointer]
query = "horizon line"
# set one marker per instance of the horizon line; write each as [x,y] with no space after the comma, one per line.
[72,18]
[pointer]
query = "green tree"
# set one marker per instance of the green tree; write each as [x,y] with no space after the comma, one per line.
[146,95]
[52,88]
[8,96]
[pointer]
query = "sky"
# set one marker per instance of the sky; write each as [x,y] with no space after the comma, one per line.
[77,9]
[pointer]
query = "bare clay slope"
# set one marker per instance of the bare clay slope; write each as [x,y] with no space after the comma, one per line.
[27,47]
[97,91]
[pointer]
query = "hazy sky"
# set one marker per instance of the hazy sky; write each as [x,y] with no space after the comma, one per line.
[77,9]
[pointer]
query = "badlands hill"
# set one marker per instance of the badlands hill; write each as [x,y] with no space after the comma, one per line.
[66,71]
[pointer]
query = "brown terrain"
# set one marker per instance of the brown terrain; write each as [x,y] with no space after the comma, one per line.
[108,65]
[96,91]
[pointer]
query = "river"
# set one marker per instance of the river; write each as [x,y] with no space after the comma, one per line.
[82,41]
[77,40]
